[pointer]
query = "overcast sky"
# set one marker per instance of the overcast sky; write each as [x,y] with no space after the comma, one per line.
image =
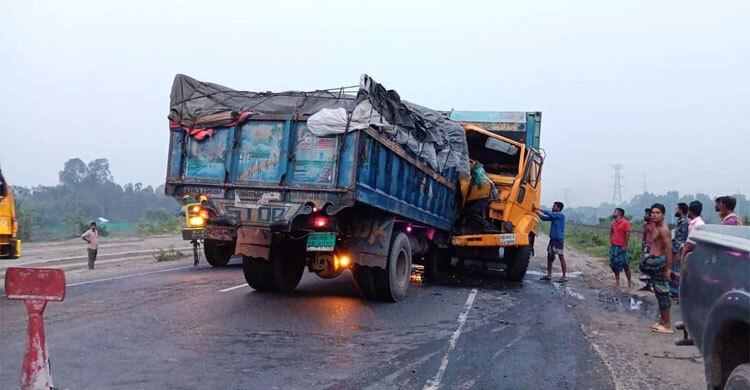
[661,87]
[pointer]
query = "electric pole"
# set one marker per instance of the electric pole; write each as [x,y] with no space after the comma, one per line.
[617,188]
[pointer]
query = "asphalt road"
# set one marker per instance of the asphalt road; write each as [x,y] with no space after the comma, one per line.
[169,326]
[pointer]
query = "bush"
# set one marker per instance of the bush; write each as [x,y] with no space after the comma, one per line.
[160,221]
[79,225]
[167,255]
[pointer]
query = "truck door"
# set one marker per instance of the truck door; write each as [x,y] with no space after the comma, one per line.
[529,191]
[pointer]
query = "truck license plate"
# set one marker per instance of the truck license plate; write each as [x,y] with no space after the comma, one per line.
[321,242]
[219,233]
[507,239]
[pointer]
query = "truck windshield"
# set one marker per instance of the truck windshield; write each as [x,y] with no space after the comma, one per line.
[497,157]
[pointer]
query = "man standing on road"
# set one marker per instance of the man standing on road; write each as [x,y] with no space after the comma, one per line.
[92,239]
[660,258]
[678,242]
[619,234]
[648,228]
[556,238]
[725,207]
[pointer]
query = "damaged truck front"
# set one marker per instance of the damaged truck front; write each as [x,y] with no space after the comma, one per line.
[324,180]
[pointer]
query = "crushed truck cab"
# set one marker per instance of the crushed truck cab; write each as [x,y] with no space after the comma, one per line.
[506,145]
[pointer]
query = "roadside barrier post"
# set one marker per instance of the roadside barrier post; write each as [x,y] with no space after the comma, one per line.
[36,286]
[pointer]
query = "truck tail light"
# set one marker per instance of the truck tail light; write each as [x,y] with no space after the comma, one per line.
[320,222]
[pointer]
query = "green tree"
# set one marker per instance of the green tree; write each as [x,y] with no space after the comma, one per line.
[26,218]
[74,172]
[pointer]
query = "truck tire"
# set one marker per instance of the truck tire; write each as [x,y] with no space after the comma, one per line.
[739,379]
[281,272]
[363,276]
[218,253]
[517,262]
[257,273]
[392,283]
[437,263]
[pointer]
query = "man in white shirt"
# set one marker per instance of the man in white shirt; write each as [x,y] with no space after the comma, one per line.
[694,215]
[92,242]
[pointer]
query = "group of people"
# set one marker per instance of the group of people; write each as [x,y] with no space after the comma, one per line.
[663,252]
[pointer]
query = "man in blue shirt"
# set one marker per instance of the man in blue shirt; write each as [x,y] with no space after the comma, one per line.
[556,237]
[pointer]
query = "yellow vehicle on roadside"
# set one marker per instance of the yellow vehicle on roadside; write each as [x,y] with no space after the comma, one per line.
[10,244]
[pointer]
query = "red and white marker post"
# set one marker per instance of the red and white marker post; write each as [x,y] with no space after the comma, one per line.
[35,286]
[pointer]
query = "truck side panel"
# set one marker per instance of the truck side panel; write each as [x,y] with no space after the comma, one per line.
[282,165]
[395,182]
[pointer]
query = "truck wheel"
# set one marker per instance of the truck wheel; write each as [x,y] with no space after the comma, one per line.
[739,379]
[393,282]
[363,276]
[218,253]
[257,273]
[287,264]
[282,272]
[437,263]
[517,262]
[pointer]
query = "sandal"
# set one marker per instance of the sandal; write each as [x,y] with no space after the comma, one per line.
[545,278]
[654,326]
[661,329]
[562,280]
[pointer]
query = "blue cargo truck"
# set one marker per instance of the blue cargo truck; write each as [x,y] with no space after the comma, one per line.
[324,180]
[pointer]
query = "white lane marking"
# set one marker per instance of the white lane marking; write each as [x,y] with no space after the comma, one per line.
[126,276]
[435,382]
[234,288]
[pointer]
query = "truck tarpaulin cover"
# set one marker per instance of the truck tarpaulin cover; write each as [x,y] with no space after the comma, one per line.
[427,134]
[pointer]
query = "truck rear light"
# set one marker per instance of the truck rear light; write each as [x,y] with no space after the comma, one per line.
[409,228]
[320,222]
[204,214]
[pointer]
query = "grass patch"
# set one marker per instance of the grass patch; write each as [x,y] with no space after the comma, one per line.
[595,242]
[167,254]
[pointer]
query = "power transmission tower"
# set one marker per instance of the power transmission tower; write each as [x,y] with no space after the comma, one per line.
[617,193]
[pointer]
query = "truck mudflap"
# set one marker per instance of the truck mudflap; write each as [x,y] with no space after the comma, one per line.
[491,240]
[254,242]
[371,240]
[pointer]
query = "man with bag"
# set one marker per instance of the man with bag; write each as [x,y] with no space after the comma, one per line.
[619,234]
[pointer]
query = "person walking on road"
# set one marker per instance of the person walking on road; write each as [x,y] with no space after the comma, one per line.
[91,237]
[660,261]
[556,239]
[619,234]
[725,207]
[678,242]
[648,228]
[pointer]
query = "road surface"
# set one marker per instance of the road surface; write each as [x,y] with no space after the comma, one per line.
[167,325]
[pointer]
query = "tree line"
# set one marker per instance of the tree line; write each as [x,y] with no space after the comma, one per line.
[634,208]
[87,192]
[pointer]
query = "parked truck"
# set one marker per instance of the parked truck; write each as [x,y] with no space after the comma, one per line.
[10,244]
[715,302]
[337,179]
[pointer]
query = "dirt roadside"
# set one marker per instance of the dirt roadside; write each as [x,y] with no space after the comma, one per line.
[616,322]
[115,255]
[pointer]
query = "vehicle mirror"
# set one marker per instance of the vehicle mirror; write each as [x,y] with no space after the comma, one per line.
[500,146]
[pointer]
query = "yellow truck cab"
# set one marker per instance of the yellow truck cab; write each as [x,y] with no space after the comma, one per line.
[506,144]
[10,245]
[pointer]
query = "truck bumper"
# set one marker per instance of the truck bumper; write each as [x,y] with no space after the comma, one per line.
[496,240]
[217,233]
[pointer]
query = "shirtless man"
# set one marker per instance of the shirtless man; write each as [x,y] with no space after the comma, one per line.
[661,253]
